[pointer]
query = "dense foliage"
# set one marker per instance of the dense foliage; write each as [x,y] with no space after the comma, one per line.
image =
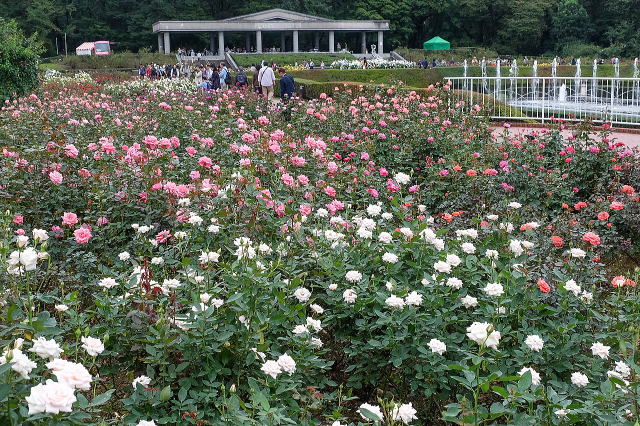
[18,60]
[568,27]
[372,256]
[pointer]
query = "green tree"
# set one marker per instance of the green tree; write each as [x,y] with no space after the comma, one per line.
[571,23]
[524,26]
[18,60]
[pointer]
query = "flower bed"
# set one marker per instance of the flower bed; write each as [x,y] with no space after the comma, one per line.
[376,63]
[174,257]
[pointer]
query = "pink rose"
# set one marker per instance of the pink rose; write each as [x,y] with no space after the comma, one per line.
[56,177]
[69,219]
[82,235]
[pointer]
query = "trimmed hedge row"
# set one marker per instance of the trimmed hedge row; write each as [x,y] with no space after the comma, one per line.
[416,77]
[246,60]
[125,60]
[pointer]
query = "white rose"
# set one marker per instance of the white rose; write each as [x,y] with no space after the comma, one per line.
[143,380]
[349,296]
[302,294]
[72,374]
[442,267]
[437,346]
[385,237]
[46,349]
[54,397]
[40,235]
[287,364]
[93,346]
[494,289]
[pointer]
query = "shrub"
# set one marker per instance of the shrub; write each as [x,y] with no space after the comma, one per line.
[114,61]
[18,60]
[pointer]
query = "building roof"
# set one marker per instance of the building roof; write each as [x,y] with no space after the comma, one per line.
[87,45]
[277,15]
[272,20]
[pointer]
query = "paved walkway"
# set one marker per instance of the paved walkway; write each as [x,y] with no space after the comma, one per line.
[630,139]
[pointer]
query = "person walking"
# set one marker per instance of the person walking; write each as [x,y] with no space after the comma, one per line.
[287,85]
[267,79]
[255,81]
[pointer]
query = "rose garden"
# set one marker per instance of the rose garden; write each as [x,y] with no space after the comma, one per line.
[372,256]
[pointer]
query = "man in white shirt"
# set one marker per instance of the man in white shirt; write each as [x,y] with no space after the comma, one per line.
[267,79]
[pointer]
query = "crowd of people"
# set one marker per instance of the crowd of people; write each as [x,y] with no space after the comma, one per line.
[220,77]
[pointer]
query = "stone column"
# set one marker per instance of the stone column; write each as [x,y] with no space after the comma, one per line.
[380,43]
[167,44]
[363,42]
[160,43]
[331,42]
[221,43]
[283,42]
[316,41]
[247,42]
[259,41]
[295,41]
[212,43]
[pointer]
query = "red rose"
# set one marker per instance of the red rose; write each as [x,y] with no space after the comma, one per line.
[543,286]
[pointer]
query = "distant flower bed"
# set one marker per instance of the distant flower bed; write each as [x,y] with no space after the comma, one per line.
[373,63]
[158,87]
[53,76]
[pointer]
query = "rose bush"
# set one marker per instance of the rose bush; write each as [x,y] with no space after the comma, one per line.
[178,257]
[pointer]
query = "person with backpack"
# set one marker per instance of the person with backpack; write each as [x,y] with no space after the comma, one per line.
[142,71]
[225,76]
[241,79]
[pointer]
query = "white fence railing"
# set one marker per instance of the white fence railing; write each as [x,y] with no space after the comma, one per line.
[611,100]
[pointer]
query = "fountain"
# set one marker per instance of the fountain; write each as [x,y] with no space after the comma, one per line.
[636,83]
[574,98]
[465,70]
[562,96]
[498,78]
[513,72]
[534,82]
[483,67]
[594,81]
[616,82]
[577,82]
[554,75]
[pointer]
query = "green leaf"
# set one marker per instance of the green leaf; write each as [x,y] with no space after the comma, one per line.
[500,391]
[497,408]
[4,391]
[369,415]
[165,394]
[260,398]
[102,398]
[525,381]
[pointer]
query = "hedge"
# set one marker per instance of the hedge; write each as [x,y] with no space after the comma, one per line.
[124,60]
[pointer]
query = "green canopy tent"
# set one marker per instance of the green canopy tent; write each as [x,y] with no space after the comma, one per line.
[436,43]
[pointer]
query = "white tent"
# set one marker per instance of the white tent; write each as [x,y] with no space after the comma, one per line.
[85,48]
